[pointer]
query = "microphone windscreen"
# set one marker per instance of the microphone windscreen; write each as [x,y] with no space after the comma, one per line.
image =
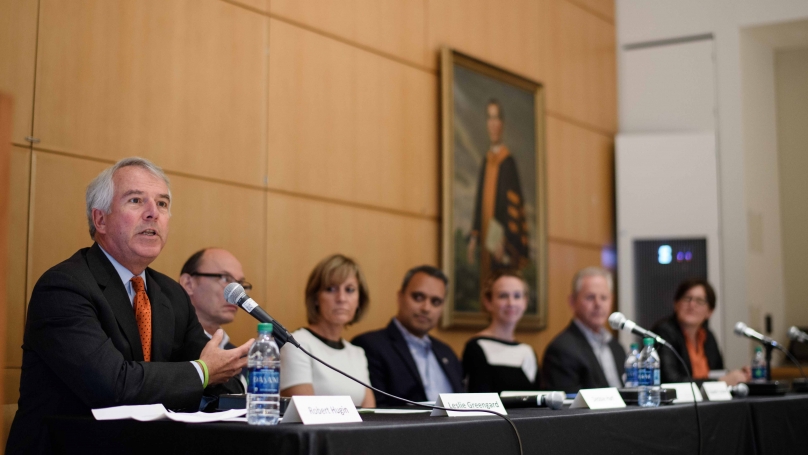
[740,328]
[233,292]
[616,320]
[794,333]
[554,400]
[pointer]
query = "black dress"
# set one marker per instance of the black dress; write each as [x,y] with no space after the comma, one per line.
[493,365]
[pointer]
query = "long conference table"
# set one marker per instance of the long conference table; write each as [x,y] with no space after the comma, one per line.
[757,425]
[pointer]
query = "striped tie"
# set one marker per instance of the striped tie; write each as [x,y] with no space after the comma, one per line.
[143,316]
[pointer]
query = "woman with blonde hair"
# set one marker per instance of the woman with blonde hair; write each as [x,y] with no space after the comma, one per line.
[336,296]
[493,360]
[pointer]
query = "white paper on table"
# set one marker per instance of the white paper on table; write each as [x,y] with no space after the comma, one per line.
[150,412]
[203,417]
[142,412]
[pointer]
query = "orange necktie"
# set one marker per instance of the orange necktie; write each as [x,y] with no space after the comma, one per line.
[143,316]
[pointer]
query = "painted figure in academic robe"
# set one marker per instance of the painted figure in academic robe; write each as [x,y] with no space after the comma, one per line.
[499,228]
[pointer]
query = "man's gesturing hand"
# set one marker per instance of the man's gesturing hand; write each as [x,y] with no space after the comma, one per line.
[223,364]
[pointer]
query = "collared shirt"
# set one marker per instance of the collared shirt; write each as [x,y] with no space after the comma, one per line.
[432,375]
[126,277]
[698,358]
[600,346]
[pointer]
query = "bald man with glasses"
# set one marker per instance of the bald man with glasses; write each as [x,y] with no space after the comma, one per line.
[204,277]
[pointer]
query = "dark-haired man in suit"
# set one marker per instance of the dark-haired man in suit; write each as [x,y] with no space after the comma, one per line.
[103,329]
[402,358]
[586,355]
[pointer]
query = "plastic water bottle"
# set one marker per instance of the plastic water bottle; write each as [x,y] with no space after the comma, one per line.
[632,366]
[649,393]
[264,379]
[759,366]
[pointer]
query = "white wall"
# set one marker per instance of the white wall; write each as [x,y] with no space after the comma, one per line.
[791,75]
[764,267]
[642,21]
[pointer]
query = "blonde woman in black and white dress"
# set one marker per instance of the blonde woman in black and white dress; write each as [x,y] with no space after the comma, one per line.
[493,360]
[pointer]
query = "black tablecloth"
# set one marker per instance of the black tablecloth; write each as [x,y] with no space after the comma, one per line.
[751,426]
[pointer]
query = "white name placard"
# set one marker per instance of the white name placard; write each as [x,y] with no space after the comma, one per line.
[488,401]
[317,410]
[684,392]
[607,398]
[716,391]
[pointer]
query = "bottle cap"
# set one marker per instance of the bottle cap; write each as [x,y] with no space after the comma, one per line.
[264,327]
[648,341]
[634,346]
[758,349]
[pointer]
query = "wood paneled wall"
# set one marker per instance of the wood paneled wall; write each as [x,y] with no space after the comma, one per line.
[291,130]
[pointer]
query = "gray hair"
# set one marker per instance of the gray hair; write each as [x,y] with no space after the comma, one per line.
[102,189]
[577,281]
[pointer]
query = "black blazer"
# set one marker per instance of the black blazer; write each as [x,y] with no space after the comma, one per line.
[570,365]
[81,348]
[670,368]
[393,369]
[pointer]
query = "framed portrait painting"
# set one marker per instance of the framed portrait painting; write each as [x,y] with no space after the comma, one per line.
[493,187]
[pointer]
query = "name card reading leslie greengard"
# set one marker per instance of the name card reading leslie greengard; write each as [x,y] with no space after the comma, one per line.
[488,401]
[316,410]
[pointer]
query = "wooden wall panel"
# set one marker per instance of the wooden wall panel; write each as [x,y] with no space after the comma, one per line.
[259,5]
[511,33]
[602,8]
[580,176]
[6,114]
[205,214]
[582,68]
[564,261]
[182,83]
[17,253]
[18,22]
[301,232]
[395,27]
[350,125]
[57,224]
[11,388]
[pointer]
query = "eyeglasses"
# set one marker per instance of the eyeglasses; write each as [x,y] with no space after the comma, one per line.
[225,279]
[697,300]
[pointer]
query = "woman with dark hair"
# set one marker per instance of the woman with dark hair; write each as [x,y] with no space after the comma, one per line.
[493,360]
[688,333]
[336,296]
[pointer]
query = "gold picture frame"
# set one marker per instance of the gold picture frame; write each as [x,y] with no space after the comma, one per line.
[492,119]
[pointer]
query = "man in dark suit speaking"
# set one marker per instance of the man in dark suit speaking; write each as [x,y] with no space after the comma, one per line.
[402,358]
[586,355]
[103,329]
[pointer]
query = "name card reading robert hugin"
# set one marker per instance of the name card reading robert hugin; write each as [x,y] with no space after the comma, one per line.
[321,409]
[329,410]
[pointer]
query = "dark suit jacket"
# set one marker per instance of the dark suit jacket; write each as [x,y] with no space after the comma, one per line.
[671,370]
[81,348]
[570,365]
[393,369]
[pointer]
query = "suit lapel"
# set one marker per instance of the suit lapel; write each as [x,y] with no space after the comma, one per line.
[586,349]
[115,294]
[162,320]
[400,346]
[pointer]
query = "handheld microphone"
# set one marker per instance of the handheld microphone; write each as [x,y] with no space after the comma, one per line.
[742,330]
[740,391]
[553,400]
[618,321]
[235,295]
[797,335]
